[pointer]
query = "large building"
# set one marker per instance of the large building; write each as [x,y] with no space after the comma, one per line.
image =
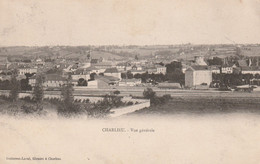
[23,71]
[198,75]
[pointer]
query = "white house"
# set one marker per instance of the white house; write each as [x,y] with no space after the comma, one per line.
[215,69]
[23,71]
[160,69]
[53,80]
[198,75]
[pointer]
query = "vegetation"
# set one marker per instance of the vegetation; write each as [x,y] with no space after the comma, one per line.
[155,100]
[15,88]
[38,93]
[215,61]
[82,82]
[205,105]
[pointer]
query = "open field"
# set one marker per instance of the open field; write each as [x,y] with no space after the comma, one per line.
[205,105]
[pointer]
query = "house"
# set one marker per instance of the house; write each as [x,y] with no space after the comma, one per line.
[151,69]
[80,73]
[160,69]
[54,80]
[112,72]
[215,69]
[123,66]
[137,67]
[228,68]
[130,82]
[103,82]
[40,62]
[199,60]
[51,80]
[103,65]
[137,71]
[23,71]
[198,75]
[250,70]
[93,69]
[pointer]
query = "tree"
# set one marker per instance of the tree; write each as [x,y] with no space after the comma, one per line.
[38,93]
[117,92]
[15,87]
[123,75]
[67,107]
[161,63]
[92,76]
[149,93]
[136,57]
[215,61]
[88,56]
[173,66]
[82,82]
[129,75]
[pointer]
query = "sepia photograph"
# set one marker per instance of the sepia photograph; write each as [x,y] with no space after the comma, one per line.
[129,81]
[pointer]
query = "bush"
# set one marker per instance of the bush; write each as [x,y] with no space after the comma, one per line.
[149,93]
[160,100]
[117,92]
[4,97]
[27,99]
[129,103]
[28,109]
[69,110]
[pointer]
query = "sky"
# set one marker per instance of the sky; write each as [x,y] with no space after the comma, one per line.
[126,22]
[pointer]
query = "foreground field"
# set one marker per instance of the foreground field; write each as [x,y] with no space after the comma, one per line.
[205,105]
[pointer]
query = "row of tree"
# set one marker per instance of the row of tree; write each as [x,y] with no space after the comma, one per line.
[234,79]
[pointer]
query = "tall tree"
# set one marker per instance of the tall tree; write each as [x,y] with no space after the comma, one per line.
[38,93]
[67,107]
[15,87]
[136,57]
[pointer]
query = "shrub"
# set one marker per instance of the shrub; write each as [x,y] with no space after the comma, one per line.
[27,99]
[129,103]
[149,93]
[117,92]
[160,100]
[28,109]
[68,110]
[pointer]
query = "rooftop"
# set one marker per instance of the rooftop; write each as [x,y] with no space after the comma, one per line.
[111,70]
[54,77]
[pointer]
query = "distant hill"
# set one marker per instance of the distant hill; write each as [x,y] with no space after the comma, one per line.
[187,51]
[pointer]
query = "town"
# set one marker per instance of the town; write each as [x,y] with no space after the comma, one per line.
[221,67]
[130,71]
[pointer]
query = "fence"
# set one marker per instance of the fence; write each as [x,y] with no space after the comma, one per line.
[129,109]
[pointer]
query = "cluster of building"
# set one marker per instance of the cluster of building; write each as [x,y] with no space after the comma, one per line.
[199,73]
[99,73]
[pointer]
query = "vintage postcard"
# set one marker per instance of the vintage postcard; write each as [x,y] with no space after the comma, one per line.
[129,81]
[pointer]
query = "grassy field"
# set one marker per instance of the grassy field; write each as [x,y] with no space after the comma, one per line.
[205,105]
